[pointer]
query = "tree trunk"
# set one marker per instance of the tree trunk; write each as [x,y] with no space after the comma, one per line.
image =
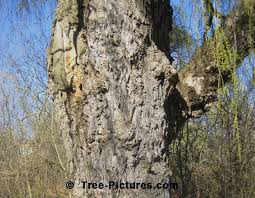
[118,99]
[109,71]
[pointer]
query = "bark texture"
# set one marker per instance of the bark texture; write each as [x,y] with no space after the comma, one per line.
[119,100]
[110,77]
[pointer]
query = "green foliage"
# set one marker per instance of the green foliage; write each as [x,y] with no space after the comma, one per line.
[224,53]
[214,156]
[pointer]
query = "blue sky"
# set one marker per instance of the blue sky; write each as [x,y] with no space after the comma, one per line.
[24,38]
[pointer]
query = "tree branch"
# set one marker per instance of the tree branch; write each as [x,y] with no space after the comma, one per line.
[213,63]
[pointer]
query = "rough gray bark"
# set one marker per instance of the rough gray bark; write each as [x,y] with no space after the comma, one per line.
[119,100]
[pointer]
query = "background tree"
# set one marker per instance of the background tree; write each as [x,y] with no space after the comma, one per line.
[205,155]
[32,157]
